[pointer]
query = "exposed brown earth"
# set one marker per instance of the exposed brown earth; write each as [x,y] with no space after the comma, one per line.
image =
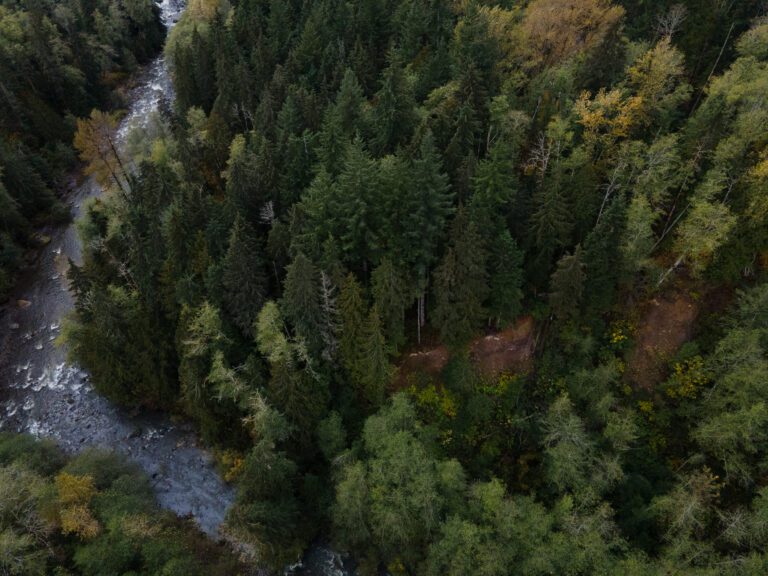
[431,361]
[510,350]
[667,323]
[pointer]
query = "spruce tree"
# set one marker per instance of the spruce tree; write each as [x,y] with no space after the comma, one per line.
[249,176]
[461,283]
[266,512]
[317,211]
[332,142]
[349,104]
[394,115]
[297,396]
[426,204]
[551,222]
[352,312]
[244,279]
[602,257]
[356,209]
[566,287]
[390,298]
[493,191]
[377,371]
[507,277]
[301,300]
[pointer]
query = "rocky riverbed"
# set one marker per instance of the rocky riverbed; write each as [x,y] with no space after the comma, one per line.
[41,393]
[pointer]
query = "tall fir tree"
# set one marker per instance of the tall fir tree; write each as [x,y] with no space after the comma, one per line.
[390,296]
[506,280]
[352,311]
[249,176]
[349,104]
[493,191]
[332,142]
[244,278]
[566,287]
[426,204]
[301,300]
[357,206]
[394,115]
[551,222]
[461,283]
[377,372]
[602,257]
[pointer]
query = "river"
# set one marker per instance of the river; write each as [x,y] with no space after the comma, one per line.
[44,395]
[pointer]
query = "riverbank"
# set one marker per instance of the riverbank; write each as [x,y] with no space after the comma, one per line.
[44,395]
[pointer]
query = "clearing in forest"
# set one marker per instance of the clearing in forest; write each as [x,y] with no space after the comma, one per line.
[510,350]
[667,323]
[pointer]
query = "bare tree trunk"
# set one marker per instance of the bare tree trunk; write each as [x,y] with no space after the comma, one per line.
[720,55]
[670,227]
[670,270]
[419,303]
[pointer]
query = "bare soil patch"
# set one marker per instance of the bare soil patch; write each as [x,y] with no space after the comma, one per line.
[667,323]
[510,350]
[429,361]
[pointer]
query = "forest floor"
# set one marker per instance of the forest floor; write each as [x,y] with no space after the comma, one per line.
[510,350]
[666,324]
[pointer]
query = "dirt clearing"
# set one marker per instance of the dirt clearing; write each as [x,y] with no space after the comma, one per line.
[667,323]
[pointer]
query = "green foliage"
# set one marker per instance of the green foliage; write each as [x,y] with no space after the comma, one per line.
[400,493]
[393,116]
[301,299]
[92,515]
[506,280]
[337,172]
[266,513]
[566,287]
[461,283]
[244,280]
[733,417]
[57,63]
[375,367]
[128,366]
[388,287]
[331,436]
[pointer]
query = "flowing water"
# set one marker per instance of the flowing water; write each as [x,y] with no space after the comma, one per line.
[44,395]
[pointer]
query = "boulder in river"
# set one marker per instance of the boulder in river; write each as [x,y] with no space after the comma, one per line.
[23,303]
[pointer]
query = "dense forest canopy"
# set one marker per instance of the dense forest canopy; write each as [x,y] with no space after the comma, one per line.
[352,201]
[58,60]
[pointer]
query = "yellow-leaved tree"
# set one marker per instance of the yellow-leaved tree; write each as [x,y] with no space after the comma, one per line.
[557,30]
[74,496]
[96,141]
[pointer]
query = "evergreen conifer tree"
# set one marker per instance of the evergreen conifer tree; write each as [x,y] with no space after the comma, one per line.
[394,115]
[566,287]
[352,310]
[461,283]
[390,297]
[244,279]
[377,371]
[506,279]
[301,300]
